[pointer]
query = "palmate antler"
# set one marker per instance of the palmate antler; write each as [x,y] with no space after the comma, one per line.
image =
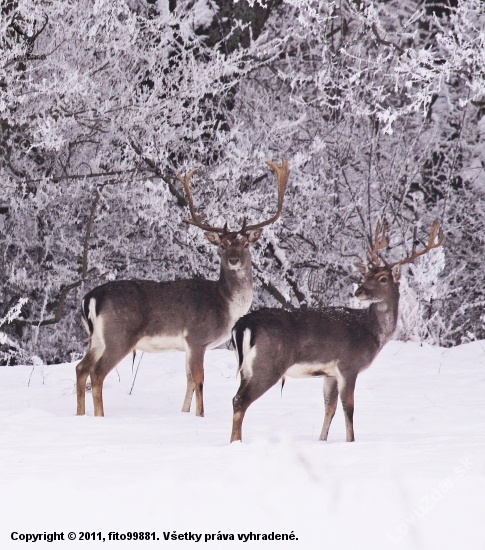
[435,232]
[282,173]
[380,242]
[196,219]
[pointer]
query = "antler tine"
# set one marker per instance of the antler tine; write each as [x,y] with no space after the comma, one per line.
[186,183]
[196,218]
[379,243]
[245,221]
[282,173]
[435,232]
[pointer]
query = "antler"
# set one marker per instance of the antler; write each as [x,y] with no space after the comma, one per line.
[379,243]
[436,232]
[196,219]
[282,172]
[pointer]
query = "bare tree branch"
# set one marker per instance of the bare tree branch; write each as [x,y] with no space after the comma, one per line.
[181,201]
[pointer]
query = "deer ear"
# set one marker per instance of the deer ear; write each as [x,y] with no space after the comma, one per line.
[254,235]
[396,272]
[362,268]
[213,238]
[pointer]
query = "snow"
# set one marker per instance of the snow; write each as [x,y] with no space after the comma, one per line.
[413,479]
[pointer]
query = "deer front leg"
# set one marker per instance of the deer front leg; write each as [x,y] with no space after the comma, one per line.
[346,387]
[330,396]
[195,380]
[190,388]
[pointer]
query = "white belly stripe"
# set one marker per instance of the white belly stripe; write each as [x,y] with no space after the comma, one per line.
[305,370]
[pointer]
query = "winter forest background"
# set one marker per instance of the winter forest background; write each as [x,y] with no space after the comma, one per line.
[379,108]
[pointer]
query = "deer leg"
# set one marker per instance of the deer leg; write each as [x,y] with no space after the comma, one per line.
[190,385]
[237,419]
[188,394]
[104,365]
[97,380]
[251,388]
[239,404]
[195,380]
[82,372]
[330,396]
[346,387]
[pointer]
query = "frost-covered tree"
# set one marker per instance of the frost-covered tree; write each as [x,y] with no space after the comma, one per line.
[378,107]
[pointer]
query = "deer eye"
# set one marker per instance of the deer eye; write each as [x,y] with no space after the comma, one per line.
[383,280]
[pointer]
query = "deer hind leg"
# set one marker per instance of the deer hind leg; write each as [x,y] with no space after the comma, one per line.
[195,380]
[254,383]
[83,370]
[112,355]
[330,396]
[346,387]
[97,379]
[240,403]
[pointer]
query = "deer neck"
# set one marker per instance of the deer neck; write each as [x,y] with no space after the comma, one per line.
[383,318]
[237,288]
[234,282]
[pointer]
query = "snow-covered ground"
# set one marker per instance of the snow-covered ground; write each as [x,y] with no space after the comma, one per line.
[415,477]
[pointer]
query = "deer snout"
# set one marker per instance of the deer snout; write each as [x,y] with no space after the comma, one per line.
[233,261]
[360,293]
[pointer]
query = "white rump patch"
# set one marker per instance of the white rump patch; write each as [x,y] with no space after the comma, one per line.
[98,344]
[308,370]
[92,309]
[91,313]
[85,323]
[249,354]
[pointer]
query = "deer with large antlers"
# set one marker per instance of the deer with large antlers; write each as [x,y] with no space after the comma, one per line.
[336,343]
[188,315]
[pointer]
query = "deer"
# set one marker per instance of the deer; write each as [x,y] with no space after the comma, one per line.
[336,343]
[191,315]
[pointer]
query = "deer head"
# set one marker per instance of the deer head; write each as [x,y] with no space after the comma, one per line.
[378,279]
[235,244]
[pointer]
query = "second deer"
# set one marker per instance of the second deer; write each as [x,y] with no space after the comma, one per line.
[188,315]
[334,342]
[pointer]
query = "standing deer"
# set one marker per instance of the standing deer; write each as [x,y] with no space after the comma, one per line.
[189,315]
[335,342]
